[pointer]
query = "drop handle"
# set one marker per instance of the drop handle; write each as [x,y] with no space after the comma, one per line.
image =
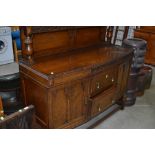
[106,76]
[113,101]
[112,80]
[98,85]
[99,109]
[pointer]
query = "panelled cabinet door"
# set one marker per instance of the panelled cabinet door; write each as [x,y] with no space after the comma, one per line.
[68,105]
[35,94]
[59,107]
[77,102]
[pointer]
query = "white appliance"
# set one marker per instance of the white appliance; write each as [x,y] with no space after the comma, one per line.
[6,49]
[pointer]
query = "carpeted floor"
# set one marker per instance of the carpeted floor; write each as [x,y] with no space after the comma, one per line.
[139,116]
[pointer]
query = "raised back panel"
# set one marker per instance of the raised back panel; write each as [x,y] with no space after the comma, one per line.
[88,36]
[50,41]
[43,41]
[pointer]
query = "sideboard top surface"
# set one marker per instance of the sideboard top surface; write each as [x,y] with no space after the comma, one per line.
[84,58]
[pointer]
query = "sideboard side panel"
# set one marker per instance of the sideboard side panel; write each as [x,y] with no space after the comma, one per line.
[35,94]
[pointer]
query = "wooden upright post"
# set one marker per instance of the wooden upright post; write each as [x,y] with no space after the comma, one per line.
[27,50]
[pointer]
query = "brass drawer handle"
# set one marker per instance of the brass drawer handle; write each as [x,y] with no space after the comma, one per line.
[106,76]
[112,80]
[113,101]
[1,112]
[98,85]
[52,73]
[99,109]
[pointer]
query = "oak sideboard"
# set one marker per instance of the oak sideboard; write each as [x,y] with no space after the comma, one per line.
[72,74]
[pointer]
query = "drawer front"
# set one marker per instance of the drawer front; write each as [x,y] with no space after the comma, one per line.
[102,101]
[103,80]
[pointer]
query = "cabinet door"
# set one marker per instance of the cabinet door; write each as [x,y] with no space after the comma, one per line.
[76,100]
[34,93]
[68,107]
[59,107]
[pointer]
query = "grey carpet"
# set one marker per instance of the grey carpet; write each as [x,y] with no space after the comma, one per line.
[139,116]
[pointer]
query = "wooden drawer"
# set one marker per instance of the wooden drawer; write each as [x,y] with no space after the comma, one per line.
[102,101]
[103,80]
